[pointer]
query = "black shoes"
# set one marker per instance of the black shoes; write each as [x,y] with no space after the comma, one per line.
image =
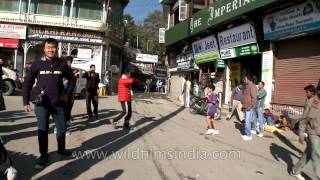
[126,126]
[65,153]
[42,161]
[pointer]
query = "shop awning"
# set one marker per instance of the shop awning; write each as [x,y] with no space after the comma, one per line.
[9,43]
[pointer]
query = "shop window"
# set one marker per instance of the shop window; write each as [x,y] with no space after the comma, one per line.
[88,10]
[9,5]
[182,10]
[46,7]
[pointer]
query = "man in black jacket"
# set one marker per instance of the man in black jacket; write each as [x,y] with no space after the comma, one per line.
[92,90]
[49,72]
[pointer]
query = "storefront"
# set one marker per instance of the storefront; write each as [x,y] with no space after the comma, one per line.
[186,67]
[85,46]
[240,50]
[207,57]
[10,51]
[295,33]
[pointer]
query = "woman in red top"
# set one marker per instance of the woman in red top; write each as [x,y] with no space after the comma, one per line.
[124,97]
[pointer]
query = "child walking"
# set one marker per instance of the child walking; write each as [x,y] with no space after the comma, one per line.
[212,100]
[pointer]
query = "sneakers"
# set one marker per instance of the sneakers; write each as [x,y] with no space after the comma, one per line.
[212,131]
[253,132]
[260,135]
[42,162]
[68,133]
[246,138]
[215,132]
[298,176]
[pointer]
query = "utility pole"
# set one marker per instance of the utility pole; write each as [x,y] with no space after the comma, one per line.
[138,37]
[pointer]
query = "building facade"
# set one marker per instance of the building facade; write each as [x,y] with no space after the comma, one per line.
[229,39]
[80,26]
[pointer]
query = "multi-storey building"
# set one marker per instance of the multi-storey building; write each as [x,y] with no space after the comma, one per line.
[228,39]
[91,31]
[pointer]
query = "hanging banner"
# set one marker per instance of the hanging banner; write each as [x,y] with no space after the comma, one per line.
[205,50]
[267,73]
[293,20]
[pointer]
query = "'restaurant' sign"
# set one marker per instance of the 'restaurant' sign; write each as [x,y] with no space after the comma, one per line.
[65,35]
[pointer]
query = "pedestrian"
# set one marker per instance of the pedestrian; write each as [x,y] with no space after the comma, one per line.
[213,102]
[124,97]
[147,87]
[268,116]
[249,102]
[236,101]
[309,131]
[70,86]
[106,82]
[92,90]
[2,103]
[49,97]
[261,96]
[186,92]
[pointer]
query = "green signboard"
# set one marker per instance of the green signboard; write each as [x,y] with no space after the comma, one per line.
[246,50]
[217,13]
[207,57]
[220,63]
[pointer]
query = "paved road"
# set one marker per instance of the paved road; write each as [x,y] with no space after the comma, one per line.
[167,143]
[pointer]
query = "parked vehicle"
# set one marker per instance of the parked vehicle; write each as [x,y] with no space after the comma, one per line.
[199,105]
[10,81]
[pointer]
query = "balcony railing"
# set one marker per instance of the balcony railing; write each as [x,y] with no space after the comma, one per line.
[48,20]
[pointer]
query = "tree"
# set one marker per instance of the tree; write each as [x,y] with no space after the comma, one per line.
[150,39]
[130,30]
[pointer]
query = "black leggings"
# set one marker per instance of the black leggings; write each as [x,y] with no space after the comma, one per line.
[126,109]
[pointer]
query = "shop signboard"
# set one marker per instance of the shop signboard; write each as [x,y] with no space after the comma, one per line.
[84,53]
[237,36]
[9,43]
[246,50]
[205,50]
[220,63]
[291,21]
[12,31]
[267,72]
[186,62]
[162,32]
[65,35]
[146,58]
[160,72]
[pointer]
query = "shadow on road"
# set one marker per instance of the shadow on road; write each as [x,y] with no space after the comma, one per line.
[111,175]
[107,144]
[10,116]
[280,153]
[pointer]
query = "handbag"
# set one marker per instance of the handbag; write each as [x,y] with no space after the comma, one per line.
[36,95]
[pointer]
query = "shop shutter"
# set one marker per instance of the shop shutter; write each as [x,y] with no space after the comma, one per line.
[297,64]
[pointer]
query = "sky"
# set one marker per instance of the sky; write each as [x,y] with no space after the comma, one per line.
[139,9]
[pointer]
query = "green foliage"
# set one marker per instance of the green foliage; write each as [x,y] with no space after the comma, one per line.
[148,33]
